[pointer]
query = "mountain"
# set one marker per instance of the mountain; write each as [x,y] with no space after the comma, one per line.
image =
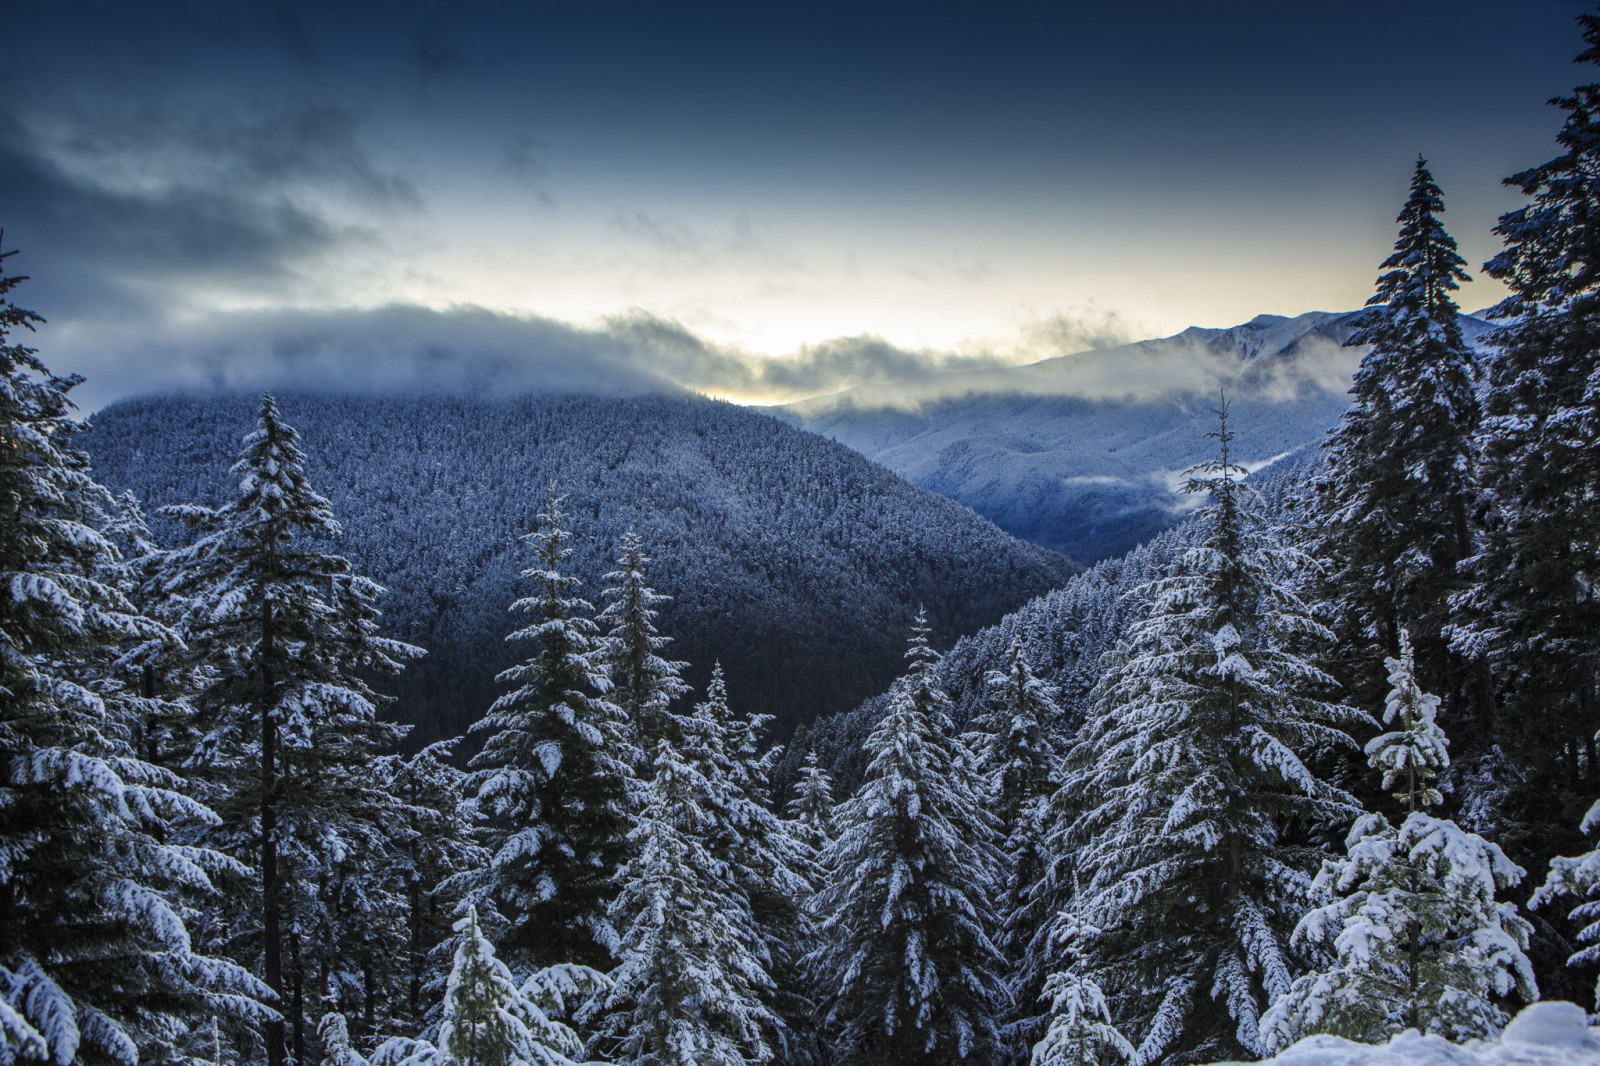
[791,558]
[1083,453]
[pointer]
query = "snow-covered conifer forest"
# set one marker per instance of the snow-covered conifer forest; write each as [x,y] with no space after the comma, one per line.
[1311,773]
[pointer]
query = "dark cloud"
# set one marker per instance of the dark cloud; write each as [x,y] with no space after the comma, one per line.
[124,204]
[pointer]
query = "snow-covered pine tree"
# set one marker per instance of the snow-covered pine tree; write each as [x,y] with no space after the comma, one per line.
[1409,917]
[1531,611]
[1400,482]
[1079,1031]
[1021,762]
[96,961]
[435,838]
[1578,878]
[645,684]
[287,635]
[554,780]
[1190,772]
[906,953]
[765,862]
[811,807]
[690,987]
[489,1020]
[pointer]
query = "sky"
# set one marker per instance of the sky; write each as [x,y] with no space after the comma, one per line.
[761,201]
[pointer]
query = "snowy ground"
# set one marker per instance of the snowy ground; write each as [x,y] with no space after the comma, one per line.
[1545,1034]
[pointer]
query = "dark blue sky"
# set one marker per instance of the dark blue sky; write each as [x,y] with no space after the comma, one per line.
[996,180]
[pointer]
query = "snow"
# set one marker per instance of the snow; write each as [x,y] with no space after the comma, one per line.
[1544,1034]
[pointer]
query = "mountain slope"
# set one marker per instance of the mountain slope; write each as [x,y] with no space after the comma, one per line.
[793,559]
[1082,454]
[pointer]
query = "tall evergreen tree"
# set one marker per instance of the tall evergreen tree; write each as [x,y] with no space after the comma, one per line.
[689,990]
[1021,763]
[435,838]
[906,951]
[1079,1030]
[1532,610]
[96,960]
[1579,879]
[1193,768]
[1409,917]
[288,635]
[645,684]
[764,860]
[1401,479]
[554,779]
[811,808]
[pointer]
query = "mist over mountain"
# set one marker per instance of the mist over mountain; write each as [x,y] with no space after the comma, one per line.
[1083,454]
[792,559]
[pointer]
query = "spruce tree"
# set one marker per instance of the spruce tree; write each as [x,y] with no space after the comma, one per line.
[1578,879]
[1531,611]
[1401,482]
[645,684]
[1191,772]
[435,837]
[489,1020]
[1021,761]
[691,985]
[1079,1031]
[811,808]
[554,779]
[1409,917]
[97,964]
[906,927]
[287,635]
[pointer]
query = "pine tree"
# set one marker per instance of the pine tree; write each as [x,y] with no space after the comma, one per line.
[1401,481]
[287,635]
[811,808]
[96,959]
[1409,916]
[690,987]
[1021,762]
[1079,1030]
[765,862]
[1191,771]
[1531,612]
[906,950]
[554,779]
[489,1020]
[645,683]
[1578,878]
[435,838]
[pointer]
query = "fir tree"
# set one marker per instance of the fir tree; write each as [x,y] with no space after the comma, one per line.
[554,779]
[1192,770]
[1021,761]
[436,837]
[1532,612]
[489,1020]
[690,987]
[811,808]
[906,950]
[1079,1030]
[765,862]
[96,959]
[1580,879]
[645,684]
[1401,465]
[287,635]
[1410,914]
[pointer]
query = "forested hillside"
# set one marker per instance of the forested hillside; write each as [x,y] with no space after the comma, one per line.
[791,559]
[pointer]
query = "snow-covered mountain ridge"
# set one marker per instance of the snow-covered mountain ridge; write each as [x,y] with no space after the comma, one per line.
[1082,453]
[791,559]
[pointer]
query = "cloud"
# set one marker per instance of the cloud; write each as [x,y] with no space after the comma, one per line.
[664,236]
[115,206]
[386,350]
